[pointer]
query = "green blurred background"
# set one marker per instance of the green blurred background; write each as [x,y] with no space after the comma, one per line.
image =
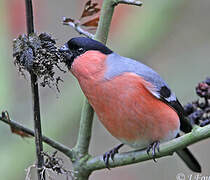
[170,36]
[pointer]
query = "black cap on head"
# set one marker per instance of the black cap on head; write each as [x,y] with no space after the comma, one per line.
[87,44]
[79,45]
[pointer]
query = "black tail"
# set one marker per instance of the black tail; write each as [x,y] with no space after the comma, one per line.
[185,126]
[189,160]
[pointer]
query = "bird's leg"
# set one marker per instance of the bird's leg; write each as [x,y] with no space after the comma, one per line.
[153,146]
[110,154]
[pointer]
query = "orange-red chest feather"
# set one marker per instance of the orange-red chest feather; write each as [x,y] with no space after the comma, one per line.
[123,104]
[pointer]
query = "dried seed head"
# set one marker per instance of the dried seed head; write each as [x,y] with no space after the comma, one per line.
[203,90]
[199,111]
[38,54]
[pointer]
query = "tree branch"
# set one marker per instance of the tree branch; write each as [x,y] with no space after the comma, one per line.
[78,29]
[129,2]
[105,21]
[166,149]
[85,129]
[58,146]
[35,96]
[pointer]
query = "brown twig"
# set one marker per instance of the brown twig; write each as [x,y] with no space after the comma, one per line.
[78,28]
[60,147]
[129,2]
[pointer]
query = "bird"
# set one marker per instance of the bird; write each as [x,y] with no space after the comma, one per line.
[130,99]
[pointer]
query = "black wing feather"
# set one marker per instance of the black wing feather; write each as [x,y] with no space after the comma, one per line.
[185,125]
[165,93]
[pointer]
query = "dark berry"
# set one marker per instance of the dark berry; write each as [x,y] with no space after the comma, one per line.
[194,117]
[188,109]
[207,81]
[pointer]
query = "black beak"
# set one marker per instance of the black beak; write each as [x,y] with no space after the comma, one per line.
[67,54]
[64,49]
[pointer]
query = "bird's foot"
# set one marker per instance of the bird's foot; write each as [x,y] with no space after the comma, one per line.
[205,122]
[111,154]
[153,146]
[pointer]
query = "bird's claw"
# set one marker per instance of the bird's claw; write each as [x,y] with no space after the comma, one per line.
[205,122]
[111,154]
[154,146]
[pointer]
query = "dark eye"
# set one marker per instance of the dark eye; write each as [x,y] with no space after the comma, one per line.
[80,50]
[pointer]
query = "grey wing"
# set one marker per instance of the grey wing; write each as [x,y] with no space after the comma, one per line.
[117,65]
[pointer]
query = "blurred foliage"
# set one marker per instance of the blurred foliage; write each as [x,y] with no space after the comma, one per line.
[4,73]
[149,25]
[170,36]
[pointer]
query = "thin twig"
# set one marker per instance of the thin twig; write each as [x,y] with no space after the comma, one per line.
[29,16]
[78,29]
[60,147]
[35,96]
[129,2]
[166,149]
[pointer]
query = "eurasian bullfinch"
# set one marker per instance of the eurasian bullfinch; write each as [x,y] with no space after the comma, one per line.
[130,99]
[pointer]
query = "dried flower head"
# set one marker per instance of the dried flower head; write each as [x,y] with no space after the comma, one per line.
[38,54]
[199,111]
